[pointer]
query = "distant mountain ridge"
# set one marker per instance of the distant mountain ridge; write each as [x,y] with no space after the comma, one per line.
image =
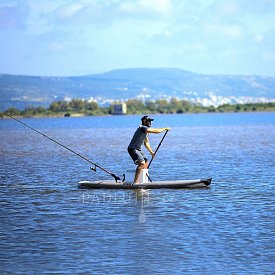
[144,83]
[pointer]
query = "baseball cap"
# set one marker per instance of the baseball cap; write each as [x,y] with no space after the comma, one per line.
[147,118]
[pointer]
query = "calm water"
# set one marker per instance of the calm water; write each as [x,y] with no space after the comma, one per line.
[48,225]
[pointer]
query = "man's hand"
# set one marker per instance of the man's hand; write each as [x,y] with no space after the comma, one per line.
[157,130]
[152,154]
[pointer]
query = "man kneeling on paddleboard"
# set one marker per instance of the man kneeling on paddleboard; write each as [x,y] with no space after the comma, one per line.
[141,137]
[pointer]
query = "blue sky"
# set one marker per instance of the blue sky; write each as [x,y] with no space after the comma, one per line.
[80,37]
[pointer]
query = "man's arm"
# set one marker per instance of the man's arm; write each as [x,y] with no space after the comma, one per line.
[147,146]
[157,130]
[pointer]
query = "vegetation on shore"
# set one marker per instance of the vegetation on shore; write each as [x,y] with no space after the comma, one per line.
[78,107]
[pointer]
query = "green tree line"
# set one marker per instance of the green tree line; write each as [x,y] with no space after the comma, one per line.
[134,106]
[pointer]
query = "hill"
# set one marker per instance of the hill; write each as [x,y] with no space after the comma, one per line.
[22,91]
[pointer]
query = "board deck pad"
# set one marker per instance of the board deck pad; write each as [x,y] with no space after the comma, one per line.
[176,184]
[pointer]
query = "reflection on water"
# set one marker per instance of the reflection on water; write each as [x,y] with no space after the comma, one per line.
[48,224]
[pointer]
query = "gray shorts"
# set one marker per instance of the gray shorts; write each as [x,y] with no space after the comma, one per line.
[136,155]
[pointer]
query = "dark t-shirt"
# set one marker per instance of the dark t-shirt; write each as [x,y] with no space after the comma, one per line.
[138,138]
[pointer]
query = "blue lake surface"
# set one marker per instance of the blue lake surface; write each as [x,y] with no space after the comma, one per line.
[48,225]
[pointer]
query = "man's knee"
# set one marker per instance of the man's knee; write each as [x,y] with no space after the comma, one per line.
[141,164]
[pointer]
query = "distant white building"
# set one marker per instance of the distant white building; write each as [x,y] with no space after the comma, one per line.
[120,109]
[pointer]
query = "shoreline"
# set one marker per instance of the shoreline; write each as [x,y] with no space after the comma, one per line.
[78,108]
[78,115]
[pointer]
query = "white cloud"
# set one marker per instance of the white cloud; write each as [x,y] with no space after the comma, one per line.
[225,8]
[258,38]
[268,56]
[153,7]
[13,14]
[83,12]
[224,31]
[70,10]
[56,47]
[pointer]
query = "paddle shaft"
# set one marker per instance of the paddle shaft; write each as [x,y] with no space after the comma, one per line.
[157,148]
[96,165]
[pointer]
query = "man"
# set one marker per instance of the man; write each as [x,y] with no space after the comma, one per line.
[141,137]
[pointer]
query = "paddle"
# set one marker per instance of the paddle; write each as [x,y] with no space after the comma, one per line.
[156,153]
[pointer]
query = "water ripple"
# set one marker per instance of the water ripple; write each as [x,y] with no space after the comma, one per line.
[49,225]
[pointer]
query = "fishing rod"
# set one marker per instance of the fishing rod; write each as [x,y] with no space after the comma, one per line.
[92,168]
[155,154]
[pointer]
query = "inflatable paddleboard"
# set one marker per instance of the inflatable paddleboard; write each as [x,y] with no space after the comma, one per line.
[176,184]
